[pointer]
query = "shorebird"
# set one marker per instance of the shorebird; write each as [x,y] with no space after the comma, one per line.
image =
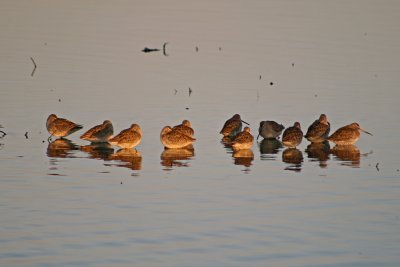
[185,128]
[128,138]
[244,140]
[61,127]
[347,135]
[270,129]
[292,136]
[171,138]
[99,133]
[233,126]
[318,130]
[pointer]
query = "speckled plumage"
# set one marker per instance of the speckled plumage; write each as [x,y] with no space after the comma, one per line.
[233,126]
[61,127]
[244,140]
[292,136]
[318,130]
[171,138]
[347,135]
[185,128]
[128,138]
[270,129]
[99,133]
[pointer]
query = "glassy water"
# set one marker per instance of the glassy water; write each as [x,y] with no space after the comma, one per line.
[71,203]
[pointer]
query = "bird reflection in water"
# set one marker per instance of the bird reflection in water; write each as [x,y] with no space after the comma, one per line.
[319,152]
[61,148]
[98,151]
[294,157]
[176,157]
[130,158]
[243,157]
[269,148]
[348,155]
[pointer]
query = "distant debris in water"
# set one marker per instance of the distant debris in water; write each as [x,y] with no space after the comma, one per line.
[187,108]
[164,49]
[271,83]
[148,50]
[197,49]
[26,135]
[260,77]
[220,48]
[3,133]
[190,91]
[59,100]
[176,91]
[377,166]
[315,95]
[34,66]
[293,65]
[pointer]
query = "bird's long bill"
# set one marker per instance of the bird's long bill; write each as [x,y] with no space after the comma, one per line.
[258,136]
[366,132]
[245,122]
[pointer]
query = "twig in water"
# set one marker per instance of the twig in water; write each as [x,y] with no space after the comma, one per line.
[3,133]
[164,49]
[377,166]
[35,66]
[26,135]
[190,91]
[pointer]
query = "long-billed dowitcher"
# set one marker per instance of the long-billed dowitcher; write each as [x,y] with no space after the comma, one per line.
[270,129]
[171,138]
[318,130]
[99,133]
[347,135]
[128,138]
[185,128]
[292,136]
[233,126]
[61,127]
[244,140]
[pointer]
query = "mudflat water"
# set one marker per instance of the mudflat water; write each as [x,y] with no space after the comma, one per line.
[68,203]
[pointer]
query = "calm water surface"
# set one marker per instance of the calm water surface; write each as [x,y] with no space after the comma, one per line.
[69,203]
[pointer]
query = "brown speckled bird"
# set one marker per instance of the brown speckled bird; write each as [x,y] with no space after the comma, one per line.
[185,128]
[61,127]
[171,138]
[318,130]
[128,138]
[99,133]
[292,136]
[244,140]
[347,135]
[233,126]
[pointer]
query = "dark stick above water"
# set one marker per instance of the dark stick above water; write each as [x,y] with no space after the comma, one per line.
[34,65]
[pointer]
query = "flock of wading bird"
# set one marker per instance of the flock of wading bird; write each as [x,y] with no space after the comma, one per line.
[181,136]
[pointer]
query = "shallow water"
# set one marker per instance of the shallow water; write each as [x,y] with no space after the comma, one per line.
[70,203]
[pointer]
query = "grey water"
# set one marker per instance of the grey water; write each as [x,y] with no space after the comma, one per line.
[70,203]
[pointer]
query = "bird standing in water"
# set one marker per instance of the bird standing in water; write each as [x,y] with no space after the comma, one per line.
[99,133]
[318,130]
[347,135]
[61,127]
[171,138]
[128,138]
[244,140]
[185,128]
[233,126]
[270,129]
[292,136]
